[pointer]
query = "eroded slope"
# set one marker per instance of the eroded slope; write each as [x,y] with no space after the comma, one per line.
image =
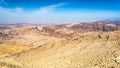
[79,45]
[95,50]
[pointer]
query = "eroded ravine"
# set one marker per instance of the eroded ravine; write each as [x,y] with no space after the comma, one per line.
[91,51]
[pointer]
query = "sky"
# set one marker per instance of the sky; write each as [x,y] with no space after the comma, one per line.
[58,11]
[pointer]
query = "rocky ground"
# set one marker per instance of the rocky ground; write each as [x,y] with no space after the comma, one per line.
[74,45]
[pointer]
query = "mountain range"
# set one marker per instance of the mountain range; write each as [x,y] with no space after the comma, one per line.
[73,45]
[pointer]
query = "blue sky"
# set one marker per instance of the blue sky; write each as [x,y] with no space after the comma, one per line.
[58,11]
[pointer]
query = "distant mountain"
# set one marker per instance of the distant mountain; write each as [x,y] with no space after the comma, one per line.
[73,45]
[92,26]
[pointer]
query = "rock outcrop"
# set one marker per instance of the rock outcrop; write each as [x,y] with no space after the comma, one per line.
[76,45]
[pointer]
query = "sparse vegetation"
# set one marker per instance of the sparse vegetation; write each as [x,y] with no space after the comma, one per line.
[12,49]
[61,46]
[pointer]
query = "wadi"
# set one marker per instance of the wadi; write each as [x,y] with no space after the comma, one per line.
[73,45]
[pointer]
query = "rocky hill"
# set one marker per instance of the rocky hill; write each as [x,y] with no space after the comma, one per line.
[92,26]
[93,50]
[74,45]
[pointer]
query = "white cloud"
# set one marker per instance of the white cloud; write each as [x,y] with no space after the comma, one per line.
[49,8]
[3,2]
[5,10]
[45,14]
[11,11]
[19,10]
[18,13]
[42,10]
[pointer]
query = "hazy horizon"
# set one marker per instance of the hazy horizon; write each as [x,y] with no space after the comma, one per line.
[54,11]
